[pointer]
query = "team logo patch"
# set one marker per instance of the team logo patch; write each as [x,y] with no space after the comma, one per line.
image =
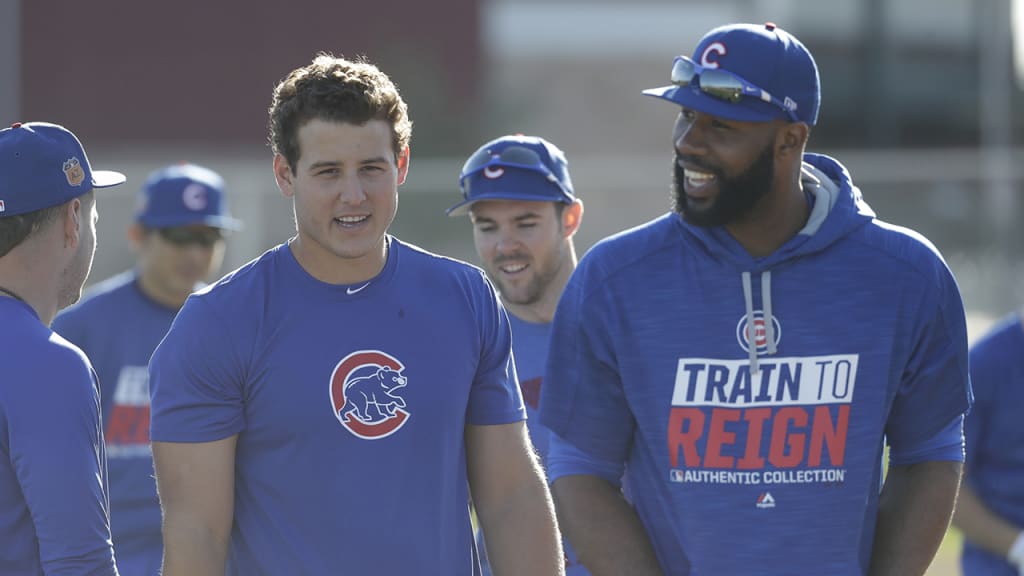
[760,335]
[73,171]
[714,51]
[194,197]
[493,172]
[366,394]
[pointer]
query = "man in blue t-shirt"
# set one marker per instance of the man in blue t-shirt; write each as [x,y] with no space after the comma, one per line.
[990,510]
[520,199]
[329,407]
[747,356]
[178,236]
[53,467]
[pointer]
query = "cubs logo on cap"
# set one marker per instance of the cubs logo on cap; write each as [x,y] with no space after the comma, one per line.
[772,61]
[184,195]
[515,167]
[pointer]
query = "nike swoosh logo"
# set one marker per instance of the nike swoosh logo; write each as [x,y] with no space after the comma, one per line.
[350,290]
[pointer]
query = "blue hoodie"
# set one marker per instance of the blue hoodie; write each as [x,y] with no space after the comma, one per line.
[750,398]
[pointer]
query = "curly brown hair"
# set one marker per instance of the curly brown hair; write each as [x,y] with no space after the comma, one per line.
[336,90]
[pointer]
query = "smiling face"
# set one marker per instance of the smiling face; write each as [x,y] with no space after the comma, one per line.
[526,249]
[723,169]
[345,194]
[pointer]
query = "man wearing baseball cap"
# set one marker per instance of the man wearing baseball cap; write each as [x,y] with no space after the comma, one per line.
[520,199]
[751,353]
[53,468]
[178,236]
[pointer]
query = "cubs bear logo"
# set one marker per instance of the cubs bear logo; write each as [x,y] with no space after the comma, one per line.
[365,390]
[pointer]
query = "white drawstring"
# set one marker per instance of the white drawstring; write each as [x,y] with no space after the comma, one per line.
[748,298]
[766,305]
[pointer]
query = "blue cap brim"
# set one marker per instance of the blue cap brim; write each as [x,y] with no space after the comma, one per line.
[222,222]
[107,178]
[462,208]
[749,111]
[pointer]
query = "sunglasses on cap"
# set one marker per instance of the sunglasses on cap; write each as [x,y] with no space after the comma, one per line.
[486,161]
[188,235]
[724,85]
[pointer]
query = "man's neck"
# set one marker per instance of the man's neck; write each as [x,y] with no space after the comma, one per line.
[777,219]
[330,268]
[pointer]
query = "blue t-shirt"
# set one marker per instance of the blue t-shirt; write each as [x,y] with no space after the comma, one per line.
[995,436]
[750,397]
[350,405]
[53,470]
[118,327]
[530,347]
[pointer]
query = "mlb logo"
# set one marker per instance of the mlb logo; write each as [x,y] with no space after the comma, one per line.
[765,500]
[2,208]
[676,475]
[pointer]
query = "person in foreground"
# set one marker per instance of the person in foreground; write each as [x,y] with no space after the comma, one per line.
[990,510]
[519,196]
[178,238]
[53,467]
[749,355]
[330,406]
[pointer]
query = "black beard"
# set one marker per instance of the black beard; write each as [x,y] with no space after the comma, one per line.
[737,196]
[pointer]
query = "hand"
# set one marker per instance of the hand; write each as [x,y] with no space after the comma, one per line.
[1016,554]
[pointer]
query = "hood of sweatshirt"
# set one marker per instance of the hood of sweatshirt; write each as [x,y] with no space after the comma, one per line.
[838,210]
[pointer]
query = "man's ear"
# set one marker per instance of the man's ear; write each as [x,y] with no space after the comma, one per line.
[403,165]
[283,175]
[791,140]
[571,217]
[73,216]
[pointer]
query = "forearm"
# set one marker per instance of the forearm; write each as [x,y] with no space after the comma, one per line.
[603,528]
[981,525]
[196,487]
[525,520]
[914,511]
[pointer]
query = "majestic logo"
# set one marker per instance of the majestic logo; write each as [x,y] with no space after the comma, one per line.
[194,197]
[765,500]
[715,50]
[73,171]
[759,335]
[366,396]
[493,172]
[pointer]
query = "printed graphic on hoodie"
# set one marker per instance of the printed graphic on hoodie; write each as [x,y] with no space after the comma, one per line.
[783,422]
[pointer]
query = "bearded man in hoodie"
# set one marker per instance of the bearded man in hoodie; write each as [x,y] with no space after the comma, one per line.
[747,357]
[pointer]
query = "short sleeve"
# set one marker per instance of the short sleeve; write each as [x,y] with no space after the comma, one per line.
[196,379]
[935,385]
[56,450]
[495,397]
[582,398]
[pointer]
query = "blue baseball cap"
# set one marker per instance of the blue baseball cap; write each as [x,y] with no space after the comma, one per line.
[44,165]
[767,57]
[515,167]
[183,195]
